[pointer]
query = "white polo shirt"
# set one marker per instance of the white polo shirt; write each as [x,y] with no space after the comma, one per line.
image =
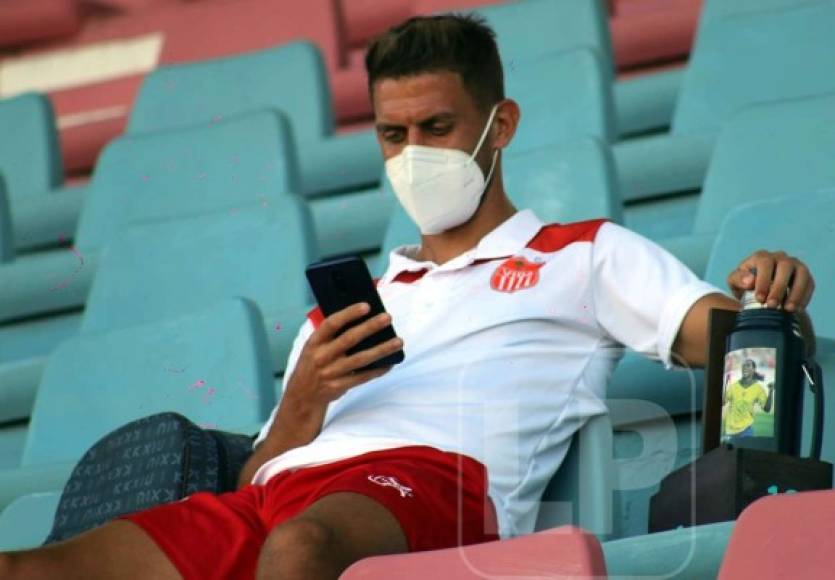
[508,349]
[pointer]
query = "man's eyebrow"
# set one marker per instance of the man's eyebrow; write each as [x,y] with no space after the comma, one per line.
[440,117]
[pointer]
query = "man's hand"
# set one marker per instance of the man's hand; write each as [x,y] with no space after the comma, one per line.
[323,373]
[769,274]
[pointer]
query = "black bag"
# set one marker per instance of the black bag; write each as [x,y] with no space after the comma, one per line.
[725,480]
[150,461]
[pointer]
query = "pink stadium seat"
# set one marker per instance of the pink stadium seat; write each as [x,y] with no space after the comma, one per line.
[648,31]
[557,553]
[22,22]
[196,30]
[133,6]
[365,19]
[783,536]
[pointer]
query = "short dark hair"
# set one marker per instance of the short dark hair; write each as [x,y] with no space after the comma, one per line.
[459,43]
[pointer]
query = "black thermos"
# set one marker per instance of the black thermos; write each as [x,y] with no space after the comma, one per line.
[765,368]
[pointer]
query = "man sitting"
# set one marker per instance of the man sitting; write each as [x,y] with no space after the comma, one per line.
[511,329]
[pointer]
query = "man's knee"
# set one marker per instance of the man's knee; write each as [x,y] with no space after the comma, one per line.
[5,565]
[296,545]
[11,567]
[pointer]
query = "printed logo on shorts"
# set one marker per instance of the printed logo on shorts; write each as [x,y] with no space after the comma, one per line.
[387,480]
[514,274]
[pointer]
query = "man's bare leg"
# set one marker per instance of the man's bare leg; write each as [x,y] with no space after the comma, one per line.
[327,537]
[119,549]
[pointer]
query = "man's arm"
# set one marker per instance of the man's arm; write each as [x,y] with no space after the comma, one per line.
[323,373]
[295,425]
[768,275]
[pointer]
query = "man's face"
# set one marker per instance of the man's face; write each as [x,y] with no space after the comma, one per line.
[747,369]
[430,109]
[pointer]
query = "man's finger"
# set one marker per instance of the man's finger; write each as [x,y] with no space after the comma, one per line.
[807,295]
[740,280]
[356,361]
[331,326]
[765,270]
[350,338]
[782,273]
[800,283]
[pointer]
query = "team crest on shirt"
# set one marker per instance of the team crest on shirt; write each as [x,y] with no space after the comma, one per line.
[516,273]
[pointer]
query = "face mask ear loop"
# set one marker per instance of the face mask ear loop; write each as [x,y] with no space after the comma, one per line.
[492,167]
[486,130]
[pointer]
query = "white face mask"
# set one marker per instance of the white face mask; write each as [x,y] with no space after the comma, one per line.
[439,188]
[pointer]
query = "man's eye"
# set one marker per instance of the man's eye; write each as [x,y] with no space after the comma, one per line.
[439,130]
[393,136]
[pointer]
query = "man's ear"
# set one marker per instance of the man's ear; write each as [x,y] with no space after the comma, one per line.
[505,123]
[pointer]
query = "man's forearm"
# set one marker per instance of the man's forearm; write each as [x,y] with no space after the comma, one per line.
[295,425]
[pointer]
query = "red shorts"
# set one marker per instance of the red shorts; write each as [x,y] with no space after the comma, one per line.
[439,498]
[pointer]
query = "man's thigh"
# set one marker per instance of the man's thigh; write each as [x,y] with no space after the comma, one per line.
[117,549]
[350,526]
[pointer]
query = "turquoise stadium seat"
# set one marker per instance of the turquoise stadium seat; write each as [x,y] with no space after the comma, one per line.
[220,167]
[167,268]
[26,522]
[684,554]
[39,208]
[563,95]
[527,28]
[580,492]
[565,182]
[781,148]
[96,383]
[6,237]
[732,66]
[291,78]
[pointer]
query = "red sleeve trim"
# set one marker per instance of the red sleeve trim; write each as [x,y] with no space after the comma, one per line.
[316,317]
[407,277]
[555,237]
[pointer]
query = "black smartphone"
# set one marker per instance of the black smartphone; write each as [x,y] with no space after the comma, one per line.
[341,282]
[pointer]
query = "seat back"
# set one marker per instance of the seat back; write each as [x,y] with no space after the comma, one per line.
[228,164]
[155,271]
[561,183]
[778,149]
[30,159]
[212,366]
[6,239]
[290,78]
[529,28]
[562,95]
[26,522]
[800,227]
[580,492]
[565,553]
[737,58]
[798,526]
